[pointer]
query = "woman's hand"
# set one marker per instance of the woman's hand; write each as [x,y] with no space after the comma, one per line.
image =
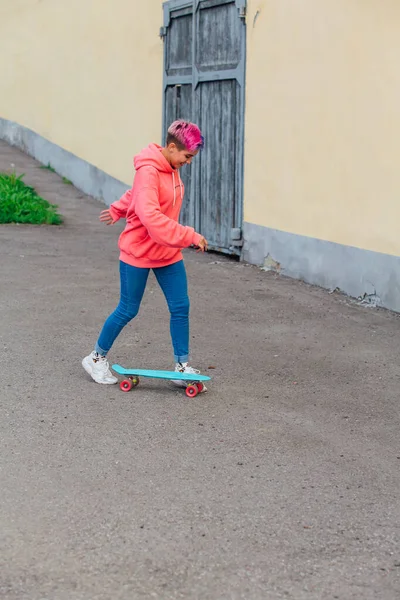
[106,217]
[203,245]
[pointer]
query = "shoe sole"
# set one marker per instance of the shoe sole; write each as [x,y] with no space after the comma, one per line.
[86,365]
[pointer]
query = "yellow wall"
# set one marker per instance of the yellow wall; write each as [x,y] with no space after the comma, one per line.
[323,120]
[84,74]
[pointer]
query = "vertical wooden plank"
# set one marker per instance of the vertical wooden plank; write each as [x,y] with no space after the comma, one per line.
[169,108]
[217,191]
[185,112]
[218,38]
[179,43]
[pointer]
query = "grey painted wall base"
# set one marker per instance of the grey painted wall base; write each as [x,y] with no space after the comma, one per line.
[356,272]
[83,175]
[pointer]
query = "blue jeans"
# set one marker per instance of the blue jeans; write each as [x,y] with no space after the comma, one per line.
[173,282]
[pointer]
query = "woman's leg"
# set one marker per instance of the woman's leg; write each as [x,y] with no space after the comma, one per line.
[173,282]
[133,284]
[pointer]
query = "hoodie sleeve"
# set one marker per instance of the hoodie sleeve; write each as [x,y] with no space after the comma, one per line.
[119,208]
[162,229]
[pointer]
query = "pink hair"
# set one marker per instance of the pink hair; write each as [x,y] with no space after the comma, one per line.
[187,134]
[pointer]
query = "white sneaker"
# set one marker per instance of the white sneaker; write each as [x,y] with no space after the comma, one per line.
[98,369]
[184,368]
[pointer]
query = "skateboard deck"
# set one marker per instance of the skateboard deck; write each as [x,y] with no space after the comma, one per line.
[194,382]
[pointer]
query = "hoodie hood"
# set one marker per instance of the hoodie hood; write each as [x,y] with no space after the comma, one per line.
[152,157]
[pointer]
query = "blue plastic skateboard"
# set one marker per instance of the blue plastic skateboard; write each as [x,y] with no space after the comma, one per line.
[194,384]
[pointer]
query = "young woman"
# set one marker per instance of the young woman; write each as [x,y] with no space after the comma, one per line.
[153,239]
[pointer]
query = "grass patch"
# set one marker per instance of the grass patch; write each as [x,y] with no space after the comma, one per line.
[67,181]
[48,167]
[19,203]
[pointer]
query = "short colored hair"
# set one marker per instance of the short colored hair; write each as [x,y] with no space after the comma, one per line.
[185,135]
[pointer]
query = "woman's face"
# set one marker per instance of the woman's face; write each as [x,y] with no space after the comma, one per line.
[177,158]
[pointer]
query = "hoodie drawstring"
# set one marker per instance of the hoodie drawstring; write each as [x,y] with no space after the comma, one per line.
[180,185]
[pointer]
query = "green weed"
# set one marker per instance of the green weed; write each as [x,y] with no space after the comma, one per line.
[48,167]
[19,203]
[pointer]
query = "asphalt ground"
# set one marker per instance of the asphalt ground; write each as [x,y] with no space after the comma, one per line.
[281,482]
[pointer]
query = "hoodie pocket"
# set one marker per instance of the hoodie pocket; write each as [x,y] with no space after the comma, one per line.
[141,245]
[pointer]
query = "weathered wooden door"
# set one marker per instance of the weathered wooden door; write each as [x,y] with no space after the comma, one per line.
[204,75]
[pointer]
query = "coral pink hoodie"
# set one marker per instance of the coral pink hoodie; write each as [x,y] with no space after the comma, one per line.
[152,236]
